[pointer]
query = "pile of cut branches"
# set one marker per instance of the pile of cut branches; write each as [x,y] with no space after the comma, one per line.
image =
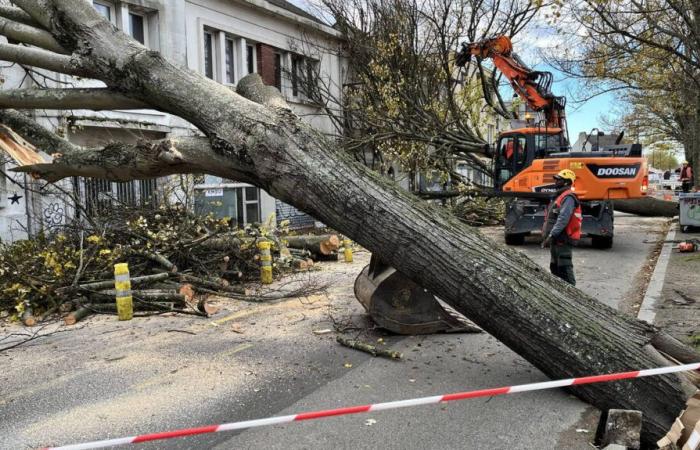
[478,211]
[172,254]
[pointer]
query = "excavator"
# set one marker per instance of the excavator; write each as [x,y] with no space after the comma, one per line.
[525,159]
[524,163]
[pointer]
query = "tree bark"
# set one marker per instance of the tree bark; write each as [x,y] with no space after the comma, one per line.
[559,329]
[96,99]
[647,207]
[17,15]
[320,245]
[29,35]
[77,316]
[40,58]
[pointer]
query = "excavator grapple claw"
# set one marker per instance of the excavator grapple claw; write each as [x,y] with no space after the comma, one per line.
[401,306]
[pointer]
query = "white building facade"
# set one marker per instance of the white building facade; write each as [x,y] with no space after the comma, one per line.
[221,39]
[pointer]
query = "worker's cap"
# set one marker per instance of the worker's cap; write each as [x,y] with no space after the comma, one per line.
[685,162]
[566,174]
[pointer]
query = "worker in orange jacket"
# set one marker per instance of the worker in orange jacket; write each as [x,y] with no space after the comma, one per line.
[562,227]
[686,177]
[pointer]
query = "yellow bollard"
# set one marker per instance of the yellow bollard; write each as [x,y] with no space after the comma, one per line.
[265,262]
[347,250]
[122,284]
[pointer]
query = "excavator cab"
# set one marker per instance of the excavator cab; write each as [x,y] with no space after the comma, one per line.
[517,149]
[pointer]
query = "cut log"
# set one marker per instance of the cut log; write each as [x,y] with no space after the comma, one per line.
[649,206]
[226,242]
[324,244]
[67,306]
[206,307]
[107,284]
[148,295]
[28,318]
[158,259]
[188,291]
[302,264]
[77,315]
[138,306]
[200,282]
[299,253]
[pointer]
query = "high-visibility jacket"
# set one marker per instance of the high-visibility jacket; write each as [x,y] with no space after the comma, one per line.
[573,228]
[686,173]
[509,149]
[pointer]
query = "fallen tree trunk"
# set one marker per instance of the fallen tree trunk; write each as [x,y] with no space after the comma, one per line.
[321,245]
[556,327]
[648,206]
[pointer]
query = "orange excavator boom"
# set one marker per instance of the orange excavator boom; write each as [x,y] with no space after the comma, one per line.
[532,86]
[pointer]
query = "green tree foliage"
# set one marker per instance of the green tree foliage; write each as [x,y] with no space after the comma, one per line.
[661,156]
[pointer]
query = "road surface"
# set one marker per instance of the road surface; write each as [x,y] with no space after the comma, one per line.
[110,379]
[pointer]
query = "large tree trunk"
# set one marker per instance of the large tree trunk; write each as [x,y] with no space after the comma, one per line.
[649,206]
[553,325]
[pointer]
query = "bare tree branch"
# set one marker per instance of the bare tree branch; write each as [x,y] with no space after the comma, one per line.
[42,59]
[252,87]
[96,99]
[30,35]
[17,15]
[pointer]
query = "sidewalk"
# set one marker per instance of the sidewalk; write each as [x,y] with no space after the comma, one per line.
[678,305]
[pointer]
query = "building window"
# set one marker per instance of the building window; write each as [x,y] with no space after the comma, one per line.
[103,9]
[126,193]
[230,66]
[248,205]
[250,58]
[304,77]
[147,191]
[252,204]
[208,55]
[100,196]
[295,75]
[278,71]
[311,81]
[137,28]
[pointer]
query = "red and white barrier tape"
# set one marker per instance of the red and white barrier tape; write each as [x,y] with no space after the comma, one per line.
[379,407]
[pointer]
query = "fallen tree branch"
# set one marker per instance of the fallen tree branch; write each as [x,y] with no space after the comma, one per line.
[29,35]
[36,334]
[17,15]
[107,284]
[96,99]
[42,59]
[368,348]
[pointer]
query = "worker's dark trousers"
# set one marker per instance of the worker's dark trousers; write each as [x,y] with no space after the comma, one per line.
[562,263]
[686,186]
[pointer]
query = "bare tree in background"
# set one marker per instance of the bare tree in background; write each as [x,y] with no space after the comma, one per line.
[404,100]
[648,54]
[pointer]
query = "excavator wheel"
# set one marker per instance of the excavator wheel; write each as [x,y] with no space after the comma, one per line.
[401,306]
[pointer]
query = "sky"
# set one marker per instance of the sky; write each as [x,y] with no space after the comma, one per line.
[581,116]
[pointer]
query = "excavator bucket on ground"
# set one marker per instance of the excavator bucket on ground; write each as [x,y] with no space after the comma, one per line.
[401,306]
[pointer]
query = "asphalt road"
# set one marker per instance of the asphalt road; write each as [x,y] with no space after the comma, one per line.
[109,379]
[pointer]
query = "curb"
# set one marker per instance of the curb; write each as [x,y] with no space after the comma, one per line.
[652,296]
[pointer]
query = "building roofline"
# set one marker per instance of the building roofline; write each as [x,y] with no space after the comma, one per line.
[301,18]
